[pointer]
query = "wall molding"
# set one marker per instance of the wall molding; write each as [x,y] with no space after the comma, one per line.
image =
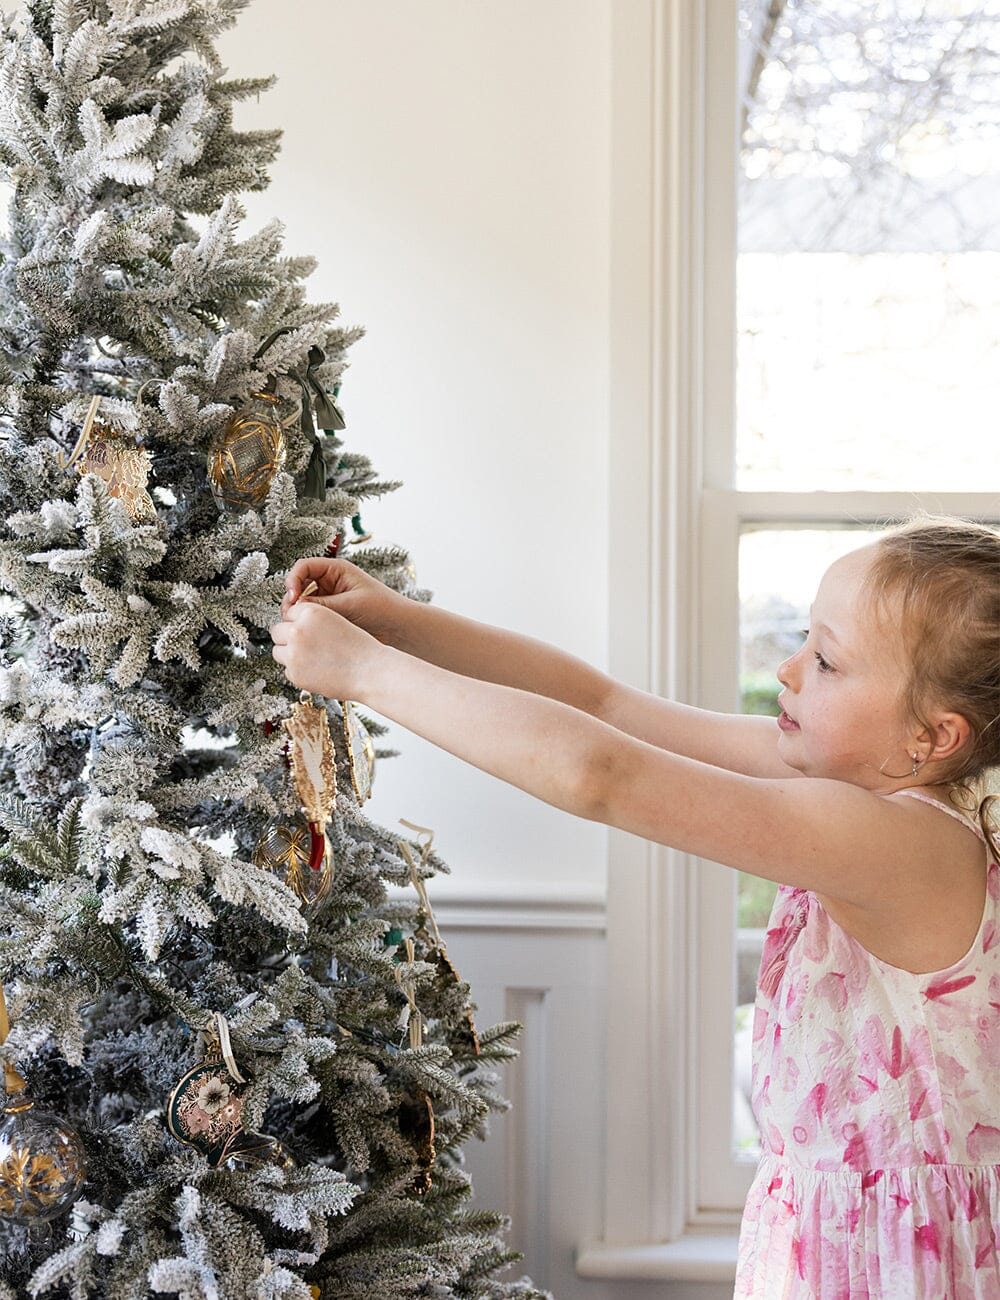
[486,907]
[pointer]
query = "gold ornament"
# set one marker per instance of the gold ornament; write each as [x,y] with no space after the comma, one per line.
[416,1110]
[416,1125]
[310,753]
[446,974]
[360,752]
[302,858]
[42,1164]
[115,458]
[247,454]
[298,848]
[42,1161]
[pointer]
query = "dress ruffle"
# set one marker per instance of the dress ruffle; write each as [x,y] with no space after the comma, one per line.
[927,1232]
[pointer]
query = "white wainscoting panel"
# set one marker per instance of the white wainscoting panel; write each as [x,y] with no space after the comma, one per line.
[543,962]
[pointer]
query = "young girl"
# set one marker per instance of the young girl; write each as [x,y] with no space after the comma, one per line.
[876,1079]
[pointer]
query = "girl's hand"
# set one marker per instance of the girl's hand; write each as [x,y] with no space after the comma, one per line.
[349,591]
[322,652]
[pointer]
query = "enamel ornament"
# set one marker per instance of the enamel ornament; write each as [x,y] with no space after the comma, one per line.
[205,1109]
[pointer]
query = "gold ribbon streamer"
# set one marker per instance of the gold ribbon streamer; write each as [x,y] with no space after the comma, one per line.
[217,1035]
[222,1029]
[81,442]
[445,964]
[405,982]
[417,880]
[12,1080]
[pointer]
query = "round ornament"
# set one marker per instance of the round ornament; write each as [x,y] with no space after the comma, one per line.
[299,854]
[247,454]
[360,752]
[42,1164]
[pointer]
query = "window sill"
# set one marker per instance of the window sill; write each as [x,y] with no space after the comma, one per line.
[695,1257]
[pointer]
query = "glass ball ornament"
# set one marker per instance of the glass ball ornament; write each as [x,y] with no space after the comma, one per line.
[42,1165]
[247,453]
[300,855]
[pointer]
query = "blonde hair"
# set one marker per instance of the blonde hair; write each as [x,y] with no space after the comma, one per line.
[938,579]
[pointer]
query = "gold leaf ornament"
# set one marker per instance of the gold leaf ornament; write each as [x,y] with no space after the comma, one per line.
[116,458]
[311,755]
[416,1126]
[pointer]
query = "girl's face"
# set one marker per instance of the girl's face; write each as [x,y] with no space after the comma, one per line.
[843,714]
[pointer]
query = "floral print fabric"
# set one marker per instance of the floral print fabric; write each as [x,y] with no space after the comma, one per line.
[877,1094]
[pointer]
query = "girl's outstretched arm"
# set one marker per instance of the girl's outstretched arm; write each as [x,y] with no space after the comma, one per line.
[823,835]
[493,654]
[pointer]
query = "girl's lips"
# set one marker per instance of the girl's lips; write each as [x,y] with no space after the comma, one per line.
[786,723]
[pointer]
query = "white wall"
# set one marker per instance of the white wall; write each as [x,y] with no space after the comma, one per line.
[448,163]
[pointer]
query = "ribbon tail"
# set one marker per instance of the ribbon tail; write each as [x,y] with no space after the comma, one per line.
[314,484]
[328,413]
[275,334]
[329,416]
[317,847]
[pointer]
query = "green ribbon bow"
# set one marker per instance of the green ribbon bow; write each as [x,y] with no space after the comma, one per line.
[315,400]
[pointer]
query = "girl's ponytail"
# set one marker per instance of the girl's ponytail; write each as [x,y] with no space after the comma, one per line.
[990,825]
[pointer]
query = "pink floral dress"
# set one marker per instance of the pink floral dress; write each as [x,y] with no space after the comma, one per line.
[877,1093]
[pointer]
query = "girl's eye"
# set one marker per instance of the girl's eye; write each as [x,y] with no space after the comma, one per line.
[823,666]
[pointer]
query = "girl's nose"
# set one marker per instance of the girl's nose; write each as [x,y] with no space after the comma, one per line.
[784,671]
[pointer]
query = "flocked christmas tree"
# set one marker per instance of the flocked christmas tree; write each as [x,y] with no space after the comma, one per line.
[234,1068]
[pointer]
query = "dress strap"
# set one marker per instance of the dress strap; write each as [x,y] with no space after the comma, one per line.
[936,803]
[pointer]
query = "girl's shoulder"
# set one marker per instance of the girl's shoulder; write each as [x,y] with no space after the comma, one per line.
[936,926]
[963,818]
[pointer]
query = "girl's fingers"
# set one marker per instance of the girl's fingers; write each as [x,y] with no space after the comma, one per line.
[326,573]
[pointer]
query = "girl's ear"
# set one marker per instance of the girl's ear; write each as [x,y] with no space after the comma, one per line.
[945,736]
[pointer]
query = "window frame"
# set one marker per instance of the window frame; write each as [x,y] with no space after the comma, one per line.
[673,1192]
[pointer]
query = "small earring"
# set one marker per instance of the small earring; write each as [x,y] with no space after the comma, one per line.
[917,760]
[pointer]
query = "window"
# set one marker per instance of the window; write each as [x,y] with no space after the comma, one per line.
[867,306]
[814,184]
